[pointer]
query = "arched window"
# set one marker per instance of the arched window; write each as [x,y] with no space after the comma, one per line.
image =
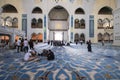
[111,37]
[5,38]
[9,9]
[2,21]
[76,37]
[100,37]
[8,21]
[77,23]
[37,10]
[40,37]
[79,11]
[106,23]
[106,37]
[82,37]
[40,22]
[111,23]
[34,36]
[15,23]
[82,24]
[100,24]
[34,23]
[105,10]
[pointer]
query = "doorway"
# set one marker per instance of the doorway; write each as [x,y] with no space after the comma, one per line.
[58,36]
[58,23]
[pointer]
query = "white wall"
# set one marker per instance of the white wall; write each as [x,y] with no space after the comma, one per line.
[117,27]
[91,7]
[118,3]
[58,25]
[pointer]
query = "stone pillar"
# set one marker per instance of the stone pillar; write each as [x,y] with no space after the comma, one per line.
[71,29]
[12,39]
[0,15]
[45,29]
[116,40]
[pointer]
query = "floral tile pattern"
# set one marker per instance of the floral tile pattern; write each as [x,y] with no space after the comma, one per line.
[72,62]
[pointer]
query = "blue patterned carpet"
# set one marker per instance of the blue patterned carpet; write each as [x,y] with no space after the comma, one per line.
[71,63]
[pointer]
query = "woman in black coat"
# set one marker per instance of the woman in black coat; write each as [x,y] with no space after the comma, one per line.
[89,46]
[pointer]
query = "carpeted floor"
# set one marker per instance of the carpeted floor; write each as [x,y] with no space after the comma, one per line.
[72,62]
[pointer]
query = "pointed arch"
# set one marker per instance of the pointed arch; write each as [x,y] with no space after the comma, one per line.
[57,16]
[37,10]
[8,8]
[79,11]
[58,10]
[105,10]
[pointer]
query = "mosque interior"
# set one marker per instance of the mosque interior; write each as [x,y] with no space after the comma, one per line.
[66,21]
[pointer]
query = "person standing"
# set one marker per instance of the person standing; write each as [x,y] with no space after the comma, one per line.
[81,42]
[22,44]
[26,45]
[18,45]
[89,46]
[31,44]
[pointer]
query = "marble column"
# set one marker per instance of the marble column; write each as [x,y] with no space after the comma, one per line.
[116,14]
[0,15]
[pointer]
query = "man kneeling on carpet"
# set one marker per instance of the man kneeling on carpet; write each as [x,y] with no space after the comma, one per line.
[30,55]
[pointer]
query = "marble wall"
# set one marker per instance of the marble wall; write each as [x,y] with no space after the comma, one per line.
[117,27]
[90,7]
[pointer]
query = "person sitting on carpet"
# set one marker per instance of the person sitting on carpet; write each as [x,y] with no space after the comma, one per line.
[44,53]
[50,55]
[30,55]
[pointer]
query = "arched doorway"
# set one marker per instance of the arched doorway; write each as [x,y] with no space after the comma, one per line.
[58,23]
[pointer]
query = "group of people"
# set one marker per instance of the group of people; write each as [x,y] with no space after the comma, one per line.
[32,55]
[48,53]
[58,43]
[24,45]
[88,44]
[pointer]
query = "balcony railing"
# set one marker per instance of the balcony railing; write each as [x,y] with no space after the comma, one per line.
[5,29]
